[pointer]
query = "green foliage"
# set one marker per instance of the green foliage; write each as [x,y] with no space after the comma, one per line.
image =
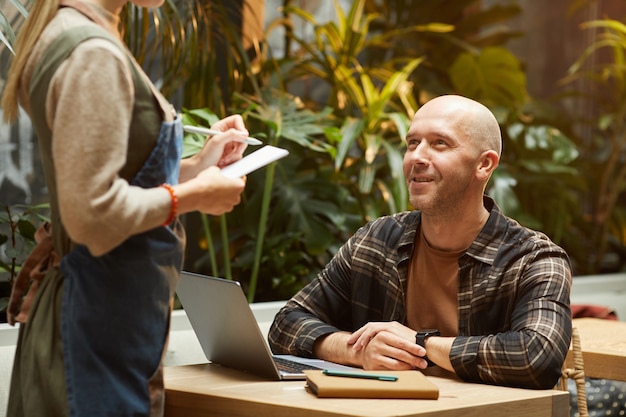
[197,117]
[292,213]
[18,224]
[536,183]
[491,76]
[346,144]
[603,158]
[369,70]
[373,103]
[195,49]
[10,22]
[475,26]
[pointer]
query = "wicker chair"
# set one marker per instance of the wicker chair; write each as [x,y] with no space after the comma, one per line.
[577,373]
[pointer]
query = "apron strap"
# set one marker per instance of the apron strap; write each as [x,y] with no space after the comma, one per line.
[54,56]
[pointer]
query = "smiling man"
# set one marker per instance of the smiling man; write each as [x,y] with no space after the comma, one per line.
[453,283]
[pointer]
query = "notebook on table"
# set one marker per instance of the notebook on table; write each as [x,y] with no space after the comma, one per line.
[405,384]
[228,333]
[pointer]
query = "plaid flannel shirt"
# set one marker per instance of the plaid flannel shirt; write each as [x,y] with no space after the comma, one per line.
[513,302]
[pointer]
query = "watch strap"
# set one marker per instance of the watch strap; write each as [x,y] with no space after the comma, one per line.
[420,339]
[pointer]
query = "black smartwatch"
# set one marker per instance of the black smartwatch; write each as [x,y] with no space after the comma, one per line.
[420,339]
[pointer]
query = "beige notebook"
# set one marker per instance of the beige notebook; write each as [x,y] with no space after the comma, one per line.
[409,384]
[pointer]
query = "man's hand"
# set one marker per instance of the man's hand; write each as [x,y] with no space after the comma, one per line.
[394,334]
[387,345]
[375,346]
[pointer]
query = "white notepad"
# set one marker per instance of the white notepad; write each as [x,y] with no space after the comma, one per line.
[254,161]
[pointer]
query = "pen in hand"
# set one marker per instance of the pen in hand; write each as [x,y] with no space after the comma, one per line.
[209,132]
[362,375]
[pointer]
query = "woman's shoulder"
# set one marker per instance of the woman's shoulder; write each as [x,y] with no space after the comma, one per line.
[66,20]
[69,21]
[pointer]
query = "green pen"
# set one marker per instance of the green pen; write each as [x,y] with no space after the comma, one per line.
[345,374]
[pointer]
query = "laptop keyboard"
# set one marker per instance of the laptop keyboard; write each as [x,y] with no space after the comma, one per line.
[292,367]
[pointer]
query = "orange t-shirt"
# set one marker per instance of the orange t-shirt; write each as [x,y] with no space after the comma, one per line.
[432,288]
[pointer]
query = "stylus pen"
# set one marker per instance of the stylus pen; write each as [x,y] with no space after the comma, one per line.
[378,377]
[209,132]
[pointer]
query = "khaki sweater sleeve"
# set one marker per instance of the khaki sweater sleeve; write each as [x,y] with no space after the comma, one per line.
[89,104]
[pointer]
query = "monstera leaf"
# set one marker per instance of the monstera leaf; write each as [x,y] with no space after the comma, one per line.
[493,76]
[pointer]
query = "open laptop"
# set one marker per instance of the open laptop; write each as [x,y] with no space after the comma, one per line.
[228,333]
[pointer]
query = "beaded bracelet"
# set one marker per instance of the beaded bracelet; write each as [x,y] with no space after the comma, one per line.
[174,205]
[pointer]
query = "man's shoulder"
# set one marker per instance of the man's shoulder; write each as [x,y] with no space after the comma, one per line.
[391,230]
[397,221]
[512,233]
[402,218]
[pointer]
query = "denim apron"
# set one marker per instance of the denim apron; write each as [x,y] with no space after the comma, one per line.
[115,309]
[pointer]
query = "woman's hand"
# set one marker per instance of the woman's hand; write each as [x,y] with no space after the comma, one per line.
[210,192]
[233,139]
[219,150]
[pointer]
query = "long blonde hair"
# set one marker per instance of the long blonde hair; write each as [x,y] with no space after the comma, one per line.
[39,16]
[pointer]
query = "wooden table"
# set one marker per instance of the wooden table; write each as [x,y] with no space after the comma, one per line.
[603,344]
[211,390]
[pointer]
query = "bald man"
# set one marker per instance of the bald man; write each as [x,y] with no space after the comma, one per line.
[453,283]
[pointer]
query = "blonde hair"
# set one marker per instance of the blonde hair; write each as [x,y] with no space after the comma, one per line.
[39,16]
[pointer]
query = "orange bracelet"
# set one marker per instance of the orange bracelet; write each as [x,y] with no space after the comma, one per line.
[174,205]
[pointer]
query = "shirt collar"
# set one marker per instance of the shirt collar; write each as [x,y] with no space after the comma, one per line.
[486,245]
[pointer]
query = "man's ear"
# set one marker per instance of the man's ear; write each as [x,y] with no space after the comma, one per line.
[488,162]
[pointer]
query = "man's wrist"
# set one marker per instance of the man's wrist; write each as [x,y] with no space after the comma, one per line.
[420,338]
[333,347]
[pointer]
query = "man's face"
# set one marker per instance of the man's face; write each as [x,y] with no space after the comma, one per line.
[440,161]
